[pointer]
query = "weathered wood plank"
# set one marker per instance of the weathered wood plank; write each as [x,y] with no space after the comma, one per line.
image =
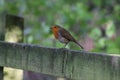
[78,65]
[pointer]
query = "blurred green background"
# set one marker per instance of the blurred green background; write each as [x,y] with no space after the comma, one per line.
[93,23]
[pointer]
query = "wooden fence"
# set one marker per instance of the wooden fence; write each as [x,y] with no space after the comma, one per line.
[76,65]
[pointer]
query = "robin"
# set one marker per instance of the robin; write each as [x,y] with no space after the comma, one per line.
[63,35]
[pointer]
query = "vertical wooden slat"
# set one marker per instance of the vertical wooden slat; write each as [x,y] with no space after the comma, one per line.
[13,27]
[2,37]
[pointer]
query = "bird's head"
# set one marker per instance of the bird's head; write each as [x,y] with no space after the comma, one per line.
[55,28]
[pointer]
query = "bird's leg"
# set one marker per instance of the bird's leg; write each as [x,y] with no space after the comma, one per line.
[65,45]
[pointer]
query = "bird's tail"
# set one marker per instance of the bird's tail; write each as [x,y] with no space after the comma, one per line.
[79,44]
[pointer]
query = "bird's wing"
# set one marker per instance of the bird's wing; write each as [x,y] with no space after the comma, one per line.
[64,33]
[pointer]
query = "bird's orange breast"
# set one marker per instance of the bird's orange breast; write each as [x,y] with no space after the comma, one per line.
[55,31]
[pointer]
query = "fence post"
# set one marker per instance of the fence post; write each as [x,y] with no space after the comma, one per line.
[10,24]
[14,26]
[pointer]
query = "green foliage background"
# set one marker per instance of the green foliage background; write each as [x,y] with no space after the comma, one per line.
[81,17]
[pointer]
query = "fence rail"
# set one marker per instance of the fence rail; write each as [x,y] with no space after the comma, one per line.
[78,65]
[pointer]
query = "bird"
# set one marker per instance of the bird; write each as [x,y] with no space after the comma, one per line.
[63,35]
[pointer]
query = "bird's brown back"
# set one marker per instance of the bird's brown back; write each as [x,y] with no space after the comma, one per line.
[64,33]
